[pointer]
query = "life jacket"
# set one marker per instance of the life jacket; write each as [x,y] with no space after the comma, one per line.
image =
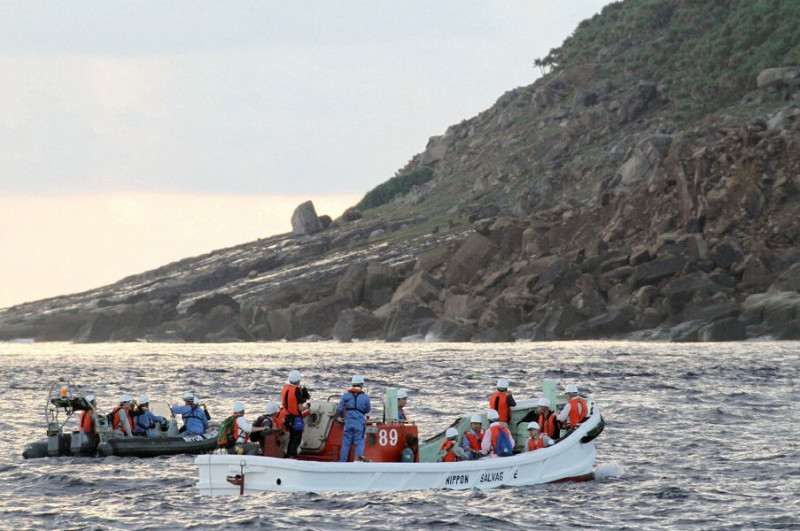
[474,440]
[228,432]
[115,420]
[549,425]
[355,391]
[447,447]
[535,444]
[499,402]
[495,430]
[86,421]
[578,411]
[289,397]
[280,419]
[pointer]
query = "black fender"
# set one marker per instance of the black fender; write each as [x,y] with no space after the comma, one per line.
[594,432]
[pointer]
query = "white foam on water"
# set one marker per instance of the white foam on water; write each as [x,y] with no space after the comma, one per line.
[610,470]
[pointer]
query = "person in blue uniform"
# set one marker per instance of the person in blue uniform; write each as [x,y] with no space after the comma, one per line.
[195,416]
[402,400]
[353,408]
[145,419]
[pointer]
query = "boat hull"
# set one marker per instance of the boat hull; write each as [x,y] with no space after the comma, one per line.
[569,459]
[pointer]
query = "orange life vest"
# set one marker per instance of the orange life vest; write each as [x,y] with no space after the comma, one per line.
[548,425]
[279,419]
[86,422]
[447,447]
[495,432]
[474,441]
[289,395]
[535,444]
[499,402]
[115,420]
[578,411]
[239,431]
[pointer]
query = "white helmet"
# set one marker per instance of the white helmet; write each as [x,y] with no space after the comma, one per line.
[533,425]
[544,401]
[295,376]
[143,400]
[358,380]
[271,409]
[188,396]
[571,389]
[476,418]
[502,384]
[90,398]
[451,433]
[125,398]
[238,407]
[402,393]
[492,415]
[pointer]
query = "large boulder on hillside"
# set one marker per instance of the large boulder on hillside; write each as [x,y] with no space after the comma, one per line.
[778,77]
[407,318]
[687,332]
[463,305]
[501,315]
[351,283]
[433,259]
[204,305]
[725,254]
[379,284]
[645,157]
[656,271]
[730,329]
[774,309]
[305,220]
[473,254]
[317,318]
[680,291]
[420,287]
[557,319]
[604,325]
[447,331]
[357,323]
[788,280]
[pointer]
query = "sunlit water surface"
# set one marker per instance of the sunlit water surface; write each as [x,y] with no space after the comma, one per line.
[706,435]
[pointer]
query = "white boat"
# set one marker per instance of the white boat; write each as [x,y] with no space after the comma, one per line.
[570,459]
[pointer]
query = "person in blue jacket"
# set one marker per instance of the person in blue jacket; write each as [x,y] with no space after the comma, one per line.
[195,416]
[144,418]
[353,407]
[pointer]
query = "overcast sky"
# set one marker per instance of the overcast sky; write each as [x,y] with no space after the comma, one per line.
[136,133]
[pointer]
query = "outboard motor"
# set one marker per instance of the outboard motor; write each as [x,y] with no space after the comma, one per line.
[57,444]
[81,444]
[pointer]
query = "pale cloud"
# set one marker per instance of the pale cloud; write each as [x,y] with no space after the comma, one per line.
[63,244]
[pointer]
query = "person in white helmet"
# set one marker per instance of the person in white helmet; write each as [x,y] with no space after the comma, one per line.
[121,420]
[195,416]
[449,450]
[294,399]
[267,421]
[536,439]
[402,400]
[548,424]
[576,409]
[145,420]
[472,438]
[491,443]
[243,428]
[502,402]
[353,407]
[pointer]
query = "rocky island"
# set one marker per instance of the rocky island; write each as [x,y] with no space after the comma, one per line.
[645,187]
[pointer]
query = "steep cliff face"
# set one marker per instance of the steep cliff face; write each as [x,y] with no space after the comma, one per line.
[648,185]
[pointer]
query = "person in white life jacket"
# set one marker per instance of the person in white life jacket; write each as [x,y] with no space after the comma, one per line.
[243,428]
[536,440]
[472,438]
[402,400]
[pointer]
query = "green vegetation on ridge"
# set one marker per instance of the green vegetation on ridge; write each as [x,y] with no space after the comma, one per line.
[398,185]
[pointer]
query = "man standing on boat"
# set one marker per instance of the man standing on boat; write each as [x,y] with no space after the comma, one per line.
[195,416]
[402,400]
[548,424]
[576,409]
[294,403]
[502,402]
[353,407]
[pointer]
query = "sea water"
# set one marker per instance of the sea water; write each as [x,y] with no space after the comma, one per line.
[698,436]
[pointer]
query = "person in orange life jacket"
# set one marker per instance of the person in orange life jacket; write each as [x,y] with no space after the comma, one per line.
[121,420]
[402,400]
[548,424]
[490,437]
[268,421]
[537,440]
[502,401]
[293,398]
[471,440]
[576,409]
[144,419]
[353,407]
[450,451]
[195,416]
[87,422]
[243,428]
